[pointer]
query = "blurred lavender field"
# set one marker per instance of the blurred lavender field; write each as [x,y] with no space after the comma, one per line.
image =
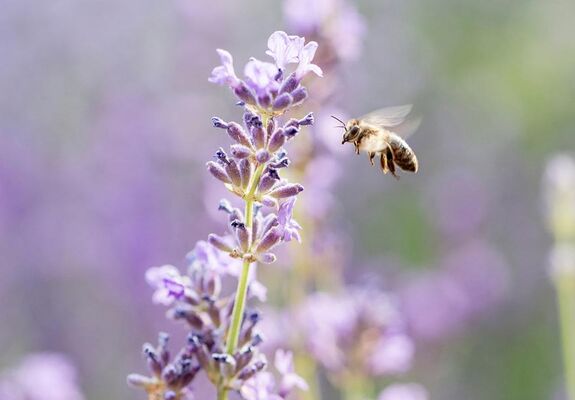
[104,134]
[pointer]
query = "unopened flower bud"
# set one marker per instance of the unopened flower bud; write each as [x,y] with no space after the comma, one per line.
[242,234]
[219,243]
[291,131]
[218,172]
[244,94]
[240,151]
[219,123]
[283,101]
[251,370]
[289,84]
[267,181]
[225,206]
[262,156]
[307,120]
[269,240]
[259,136]
[266,258]
[226,363]
[170,375]
[269,201]
[139,381]
[299,95]
[238,134]
[246,172]
[277,140]
[288,190]
[233,172]
[265,100]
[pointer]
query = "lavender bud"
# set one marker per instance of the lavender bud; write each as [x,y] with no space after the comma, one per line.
[234,173]
[163,339]
[291,131]
[269,202]
[257,340]
[170,375]
[259,136]
[236,214]
[219,243]
[267,181]
[242,234]
[271,127]
[282,163]
[290,84]
[265,100]
[219,123]
[270,221]
[222,157]
[139,381]
[246,172]
[288,190]
[277,140]
[266,258]
[262,156]
[214,313]
[283,101]
[299,95]
[244,93]
[250,119]
[244,357]
[238,134]
[269,240]
[251,370]
[189,375]
[153,359]
[218,172]
[225,206]
[226,363]
[240,151]
[307,120]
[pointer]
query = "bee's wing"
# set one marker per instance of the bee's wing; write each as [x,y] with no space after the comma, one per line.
[388,117]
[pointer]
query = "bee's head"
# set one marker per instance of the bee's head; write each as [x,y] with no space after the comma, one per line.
[351,129]
[351,132]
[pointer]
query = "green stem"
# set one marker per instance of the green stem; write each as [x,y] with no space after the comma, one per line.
[241,292]
[238,313]
[566,304]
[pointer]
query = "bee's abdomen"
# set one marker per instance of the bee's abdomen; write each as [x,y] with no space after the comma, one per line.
[403,156]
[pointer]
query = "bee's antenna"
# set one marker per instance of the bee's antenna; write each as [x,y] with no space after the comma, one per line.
[338,120]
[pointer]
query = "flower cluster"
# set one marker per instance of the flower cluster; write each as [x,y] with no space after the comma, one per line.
[267,89]
[224,337]
[365,336]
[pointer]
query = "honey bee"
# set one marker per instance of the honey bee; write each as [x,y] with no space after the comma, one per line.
[371,133]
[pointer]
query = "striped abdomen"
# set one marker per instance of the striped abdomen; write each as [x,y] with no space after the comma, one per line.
[403,156]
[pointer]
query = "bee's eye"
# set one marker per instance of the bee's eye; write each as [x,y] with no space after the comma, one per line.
[353,132]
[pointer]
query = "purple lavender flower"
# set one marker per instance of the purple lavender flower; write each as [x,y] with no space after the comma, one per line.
[224,337]
[289,227]
[168,282]
[405,391]
[261,89]
[265,386]
[338,342]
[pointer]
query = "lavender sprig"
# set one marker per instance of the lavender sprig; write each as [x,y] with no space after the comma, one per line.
[224,338]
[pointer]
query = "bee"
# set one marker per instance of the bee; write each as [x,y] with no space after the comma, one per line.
[371,133]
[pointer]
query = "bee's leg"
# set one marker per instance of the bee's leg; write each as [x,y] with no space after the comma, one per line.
[356,143]
[383,163]
[371,156]
[390,161]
